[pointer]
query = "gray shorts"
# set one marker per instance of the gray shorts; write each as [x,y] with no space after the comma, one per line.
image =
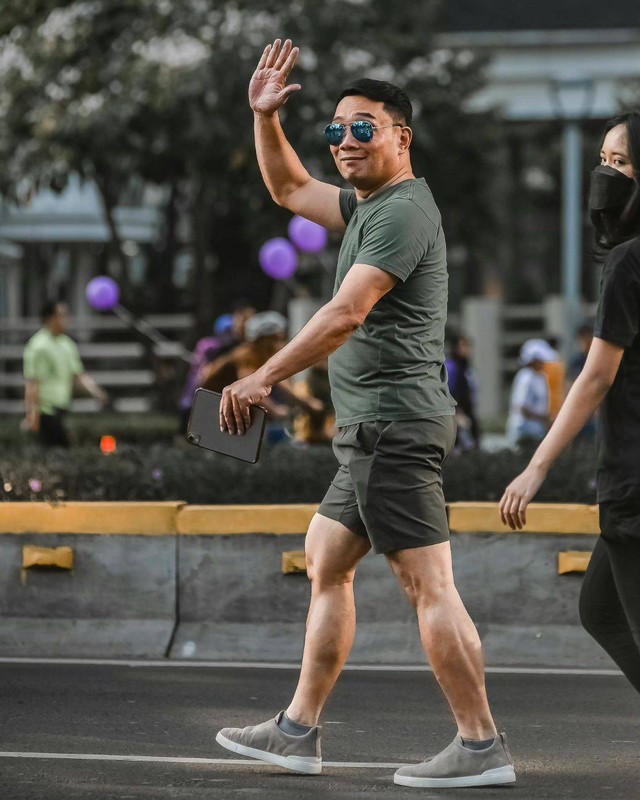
[389,484]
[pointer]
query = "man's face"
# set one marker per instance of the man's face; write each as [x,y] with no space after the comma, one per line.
[368,165]
[59,321]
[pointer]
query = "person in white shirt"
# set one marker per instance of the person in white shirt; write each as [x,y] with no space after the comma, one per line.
[529,405]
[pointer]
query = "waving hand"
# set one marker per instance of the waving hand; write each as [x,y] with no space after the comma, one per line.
[268,89]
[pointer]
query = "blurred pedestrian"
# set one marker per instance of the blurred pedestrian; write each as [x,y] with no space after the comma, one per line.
[555,372]
[529,405]
[52,370]
[266,334]
[610,595]
[584,338]
[228,332]
[316,427]
[463,387]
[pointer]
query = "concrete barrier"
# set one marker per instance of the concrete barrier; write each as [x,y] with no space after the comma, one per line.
[119,600]
[208,583]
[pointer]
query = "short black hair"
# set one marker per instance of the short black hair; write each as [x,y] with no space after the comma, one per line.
[48,309]
[396,100]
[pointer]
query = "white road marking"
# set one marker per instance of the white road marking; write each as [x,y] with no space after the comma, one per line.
[178,760]
[169,663]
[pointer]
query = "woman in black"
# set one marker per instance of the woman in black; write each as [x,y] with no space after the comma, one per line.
[610,598]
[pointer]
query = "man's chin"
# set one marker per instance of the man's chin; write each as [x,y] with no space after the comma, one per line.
[361,182]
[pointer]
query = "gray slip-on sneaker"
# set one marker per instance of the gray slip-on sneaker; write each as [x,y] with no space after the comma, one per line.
[267,742]
[459,766]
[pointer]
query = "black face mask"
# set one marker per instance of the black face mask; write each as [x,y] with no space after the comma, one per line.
[610,189]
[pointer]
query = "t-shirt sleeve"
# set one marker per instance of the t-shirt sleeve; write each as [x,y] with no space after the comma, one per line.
[397,238]
[34,364]
[348,204]
[76,362]
[618,314]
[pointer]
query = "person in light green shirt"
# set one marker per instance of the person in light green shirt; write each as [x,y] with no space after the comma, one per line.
[52,369]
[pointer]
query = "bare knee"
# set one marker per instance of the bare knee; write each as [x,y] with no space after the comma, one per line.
[324,574]
[422,590]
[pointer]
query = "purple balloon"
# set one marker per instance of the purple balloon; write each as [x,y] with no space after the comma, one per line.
[102,293]
[307,235]
[278,258]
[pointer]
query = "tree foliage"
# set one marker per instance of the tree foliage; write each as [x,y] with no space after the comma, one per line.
[154,92]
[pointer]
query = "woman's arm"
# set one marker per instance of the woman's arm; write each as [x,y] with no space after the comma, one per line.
[585,396]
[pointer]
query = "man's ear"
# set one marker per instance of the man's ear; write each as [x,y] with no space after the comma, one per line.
[406,135]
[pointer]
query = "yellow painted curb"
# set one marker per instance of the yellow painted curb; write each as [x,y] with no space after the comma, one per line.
[559,518]
[283,519]
[146,519]
[60,557]
[175,517]
[573,561]
[294,561]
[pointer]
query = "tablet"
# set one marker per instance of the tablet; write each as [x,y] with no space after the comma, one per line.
[203,429]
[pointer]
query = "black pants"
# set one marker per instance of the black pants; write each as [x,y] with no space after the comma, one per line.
[610,597]
[52,430]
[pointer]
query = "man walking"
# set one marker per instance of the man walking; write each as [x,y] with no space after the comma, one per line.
[52,367]
[384,329]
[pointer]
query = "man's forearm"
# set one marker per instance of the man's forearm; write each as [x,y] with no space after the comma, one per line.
[90,386]
[282,170]
[32,398]
[329,328]
[582,401]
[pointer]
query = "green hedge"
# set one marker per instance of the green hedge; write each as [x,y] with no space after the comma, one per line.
[284,474]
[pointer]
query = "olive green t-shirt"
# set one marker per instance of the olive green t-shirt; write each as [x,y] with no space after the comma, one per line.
[392,368]
[52,361]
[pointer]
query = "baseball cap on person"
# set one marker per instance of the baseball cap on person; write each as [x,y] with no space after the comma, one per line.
[536,350]
[266,323]
[223,324]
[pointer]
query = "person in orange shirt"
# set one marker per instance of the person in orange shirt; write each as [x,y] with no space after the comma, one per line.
[555,372]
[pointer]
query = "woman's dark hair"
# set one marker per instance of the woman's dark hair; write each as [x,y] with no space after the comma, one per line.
[396,100]
[615,227]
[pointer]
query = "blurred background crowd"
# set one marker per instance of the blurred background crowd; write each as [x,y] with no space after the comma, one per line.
[126,151]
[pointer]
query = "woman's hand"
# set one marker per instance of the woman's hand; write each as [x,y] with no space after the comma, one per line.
[518,494]
[268,89]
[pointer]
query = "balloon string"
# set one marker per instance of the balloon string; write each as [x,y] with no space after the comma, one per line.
[150,332]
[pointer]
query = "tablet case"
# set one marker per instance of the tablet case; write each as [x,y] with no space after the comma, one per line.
[203,429]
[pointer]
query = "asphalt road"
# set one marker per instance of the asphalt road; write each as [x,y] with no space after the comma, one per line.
[572,736]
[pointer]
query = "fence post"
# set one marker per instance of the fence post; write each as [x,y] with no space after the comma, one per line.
[300,310]
[482,323]
[554,313]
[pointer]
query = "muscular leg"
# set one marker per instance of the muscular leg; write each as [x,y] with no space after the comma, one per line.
[333,553]
[448,635]
[610,577]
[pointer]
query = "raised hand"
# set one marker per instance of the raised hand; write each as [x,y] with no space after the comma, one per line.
[268,89]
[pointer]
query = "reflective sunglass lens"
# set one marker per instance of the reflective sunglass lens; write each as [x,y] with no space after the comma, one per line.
[334,133]
[362,131]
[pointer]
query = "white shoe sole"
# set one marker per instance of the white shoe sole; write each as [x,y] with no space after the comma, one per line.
[305,764]
[492,777]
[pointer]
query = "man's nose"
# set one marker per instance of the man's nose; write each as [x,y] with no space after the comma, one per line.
[349,140]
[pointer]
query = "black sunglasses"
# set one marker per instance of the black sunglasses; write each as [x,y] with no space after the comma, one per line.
[361,129]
